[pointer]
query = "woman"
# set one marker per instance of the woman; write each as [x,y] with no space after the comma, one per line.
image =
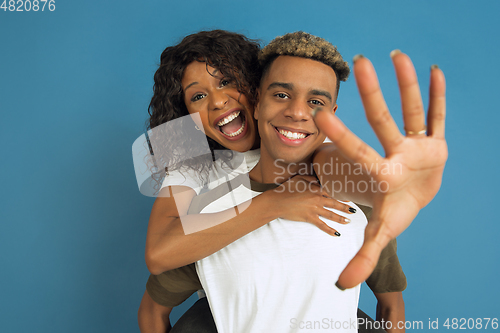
[214,75]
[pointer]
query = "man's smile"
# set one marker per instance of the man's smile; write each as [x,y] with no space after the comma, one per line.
[291,136]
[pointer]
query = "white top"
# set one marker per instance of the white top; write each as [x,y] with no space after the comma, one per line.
[281,277]
[220,173]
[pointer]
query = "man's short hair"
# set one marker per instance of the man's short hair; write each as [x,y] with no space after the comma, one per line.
[304,45]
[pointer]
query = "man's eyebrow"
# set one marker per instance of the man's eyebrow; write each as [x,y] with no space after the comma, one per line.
[288,86]
[322,93]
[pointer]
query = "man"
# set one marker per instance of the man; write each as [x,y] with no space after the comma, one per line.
[285,116]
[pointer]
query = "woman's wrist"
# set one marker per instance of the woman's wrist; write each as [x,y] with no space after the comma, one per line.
[266,206]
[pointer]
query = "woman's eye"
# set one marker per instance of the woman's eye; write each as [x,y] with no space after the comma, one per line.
[225,82]
[197,97]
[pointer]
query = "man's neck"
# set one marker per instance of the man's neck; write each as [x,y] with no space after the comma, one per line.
[271,171]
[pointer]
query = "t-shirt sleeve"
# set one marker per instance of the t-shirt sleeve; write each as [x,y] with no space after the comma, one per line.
[184,177]
[173,287]
[388,275]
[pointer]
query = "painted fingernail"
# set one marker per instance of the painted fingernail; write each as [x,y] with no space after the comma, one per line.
[346,220]
[357,57]
[337,233]
[395,52]
[314,111]
[434,67]
[339,286]
[352,210]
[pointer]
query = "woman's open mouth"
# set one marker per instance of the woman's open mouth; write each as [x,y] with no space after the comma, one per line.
[232,125]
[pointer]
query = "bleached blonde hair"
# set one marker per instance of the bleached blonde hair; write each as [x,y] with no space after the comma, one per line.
[304,45]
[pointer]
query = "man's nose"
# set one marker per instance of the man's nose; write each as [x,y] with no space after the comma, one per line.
[298,111]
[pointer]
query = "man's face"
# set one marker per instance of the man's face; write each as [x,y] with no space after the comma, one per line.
[292,88]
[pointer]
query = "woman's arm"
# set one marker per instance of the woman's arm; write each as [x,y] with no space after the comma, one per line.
[169,247]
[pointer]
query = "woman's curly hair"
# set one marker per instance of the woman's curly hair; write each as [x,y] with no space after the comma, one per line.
[234,55]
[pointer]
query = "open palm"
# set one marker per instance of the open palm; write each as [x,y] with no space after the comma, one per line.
[414,163]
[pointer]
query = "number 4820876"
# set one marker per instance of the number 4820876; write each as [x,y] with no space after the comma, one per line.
[28,5]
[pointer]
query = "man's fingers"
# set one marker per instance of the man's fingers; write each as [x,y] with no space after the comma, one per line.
[411,97]
[376,110]
[437,104]
[362,265]
[347,142]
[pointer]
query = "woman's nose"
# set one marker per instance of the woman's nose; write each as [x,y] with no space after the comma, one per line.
[218,100]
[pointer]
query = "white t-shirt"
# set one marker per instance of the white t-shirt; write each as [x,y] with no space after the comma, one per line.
[220,173]
[280,277]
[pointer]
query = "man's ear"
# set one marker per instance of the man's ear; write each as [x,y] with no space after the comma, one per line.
[335,108]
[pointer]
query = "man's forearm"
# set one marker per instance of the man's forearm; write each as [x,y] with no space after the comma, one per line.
[152,317]
[391,308]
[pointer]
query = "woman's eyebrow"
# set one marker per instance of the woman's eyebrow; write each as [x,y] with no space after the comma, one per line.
[189,85]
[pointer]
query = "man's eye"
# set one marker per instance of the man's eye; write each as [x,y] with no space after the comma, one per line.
[197,97]
[281,95]
[316,102]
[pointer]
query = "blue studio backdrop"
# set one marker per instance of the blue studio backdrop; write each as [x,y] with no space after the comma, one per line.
[75,84]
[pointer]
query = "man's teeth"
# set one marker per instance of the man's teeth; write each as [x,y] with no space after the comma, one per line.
[228,119]
[237,132]
[292,135]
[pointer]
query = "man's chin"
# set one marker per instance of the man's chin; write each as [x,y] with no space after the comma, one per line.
[291,161]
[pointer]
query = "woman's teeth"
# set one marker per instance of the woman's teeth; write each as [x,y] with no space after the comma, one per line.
[228,119]
[292,135]
[232,125]
[238,132]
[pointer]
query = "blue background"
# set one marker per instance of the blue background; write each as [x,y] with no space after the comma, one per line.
[75,85]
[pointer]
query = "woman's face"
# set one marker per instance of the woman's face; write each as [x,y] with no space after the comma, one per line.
[225,113]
